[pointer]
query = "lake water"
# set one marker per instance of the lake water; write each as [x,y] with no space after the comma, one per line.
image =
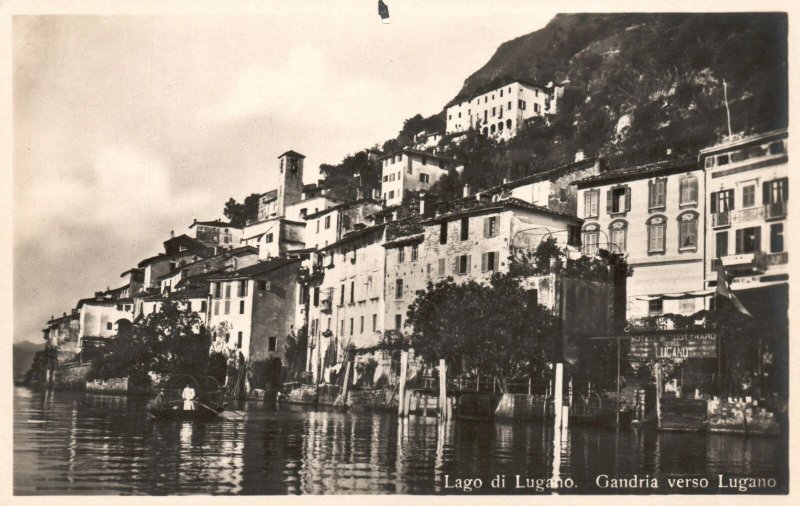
[75,443]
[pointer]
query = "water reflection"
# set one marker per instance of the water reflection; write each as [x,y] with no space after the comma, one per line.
[69,443]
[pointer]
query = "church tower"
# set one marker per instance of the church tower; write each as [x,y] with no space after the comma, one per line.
[290,180]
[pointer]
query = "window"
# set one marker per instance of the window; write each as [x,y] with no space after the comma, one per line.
[242,292]
[722,201]
[401,254]
[591,203]
[722,244]
[352,292]
[262,285]
[494,111]
[217,290]
[464,229]
[591,239]
[443,233]
[374,322]
[391,194]
[239,340]
[241,307]
[535,107]
[749,195]
[687,233]
[655,306]
[441,267]
[203,306]
[327,222]
[508,123]
[490,226]
[776,148]
[398,321]
[398,289]
[658,194]
[424,161]
[227,307]
[424,178]
[462,264]
[341,327]
[361,323]
[489,261]
[268,239]
[352,326]
[341,297]
[110,325]
[562,194]
[656,232]
[776,238]
[316,296]
[227,290]
[618,200]
[386,178]
[688,193]
[776,191]
[748,240]
[509,105]
[687,306]
[216,308]
[618,231]
[273,343]
[414,252]
[521,104]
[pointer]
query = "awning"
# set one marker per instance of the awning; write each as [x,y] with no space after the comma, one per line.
[677,296]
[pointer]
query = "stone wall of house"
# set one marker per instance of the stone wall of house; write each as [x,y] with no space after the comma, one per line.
[72,376]
[304,394]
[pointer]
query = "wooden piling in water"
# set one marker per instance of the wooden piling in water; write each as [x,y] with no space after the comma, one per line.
[442,389]
[401,393]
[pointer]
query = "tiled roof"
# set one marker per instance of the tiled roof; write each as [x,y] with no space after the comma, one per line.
[292,153]
[469,205]
[163,256]
[542,176]
[257,269]
[270,195]
[354,235]
[484,90]
[640,172]
[215,223]
[420,153]
[403,228]
[342,206]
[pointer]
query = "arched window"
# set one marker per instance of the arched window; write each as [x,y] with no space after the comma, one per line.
[492,129]
[485,131]
[500,126]
[656,234]
[508,124]
[687,231]
[591,239]
[618,235]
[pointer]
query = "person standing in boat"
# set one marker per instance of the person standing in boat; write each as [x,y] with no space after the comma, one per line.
[188,398]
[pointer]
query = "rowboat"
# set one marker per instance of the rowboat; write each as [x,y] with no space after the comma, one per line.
[207,406]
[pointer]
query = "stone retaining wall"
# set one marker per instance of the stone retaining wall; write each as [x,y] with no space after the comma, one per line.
[740,416]
[521,407]
[110,386]
[72,376]
[304,394]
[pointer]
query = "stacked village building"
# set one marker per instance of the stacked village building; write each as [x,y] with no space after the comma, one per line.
[348,271]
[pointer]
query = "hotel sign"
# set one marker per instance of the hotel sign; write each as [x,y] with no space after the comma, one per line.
[674,345]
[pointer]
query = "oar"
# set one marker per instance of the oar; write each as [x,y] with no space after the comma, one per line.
[208,408]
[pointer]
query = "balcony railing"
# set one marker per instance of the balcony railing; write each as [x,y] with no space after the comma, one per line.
[775,210]
[722,219]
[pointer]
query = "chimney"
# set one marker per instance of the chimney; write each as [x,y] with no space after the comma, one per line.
[65,313]
[52,317]
[466,190]
[579,156]
[195,222]
[303,213]
[172,233]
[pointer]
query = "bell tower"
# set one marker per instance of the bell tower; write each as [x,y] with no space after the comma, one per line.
[290,180]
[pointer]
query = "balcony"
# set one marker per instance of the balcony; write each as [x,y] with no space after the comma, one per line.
[325,306]
[722,219]
[744,263]
[775,210]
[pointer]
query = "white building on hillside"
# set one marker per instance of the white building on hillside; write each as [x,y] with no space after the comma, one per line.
[502,111]
[409,170]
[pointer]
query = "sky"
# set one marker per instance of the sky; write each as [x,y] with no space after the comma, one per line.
[128,127]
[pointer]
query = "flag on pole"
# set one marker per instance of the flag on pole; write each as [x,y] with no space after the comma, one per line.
[383,12]
[724,289]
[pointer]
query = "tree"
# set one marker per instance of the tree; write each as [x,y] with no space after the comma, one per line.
[486,329]
[173,340]
[238,214]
